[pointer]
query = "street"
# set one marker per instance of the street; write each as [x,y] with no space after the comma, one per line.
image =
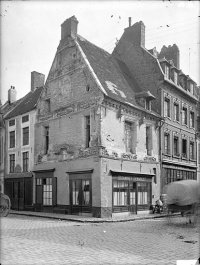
[34,240]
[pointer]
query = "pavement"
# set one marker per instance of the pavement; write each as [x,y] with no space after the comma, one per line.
[86,219]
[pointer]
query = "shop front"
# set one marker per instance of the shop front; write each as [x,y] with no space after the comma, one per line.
[131,192]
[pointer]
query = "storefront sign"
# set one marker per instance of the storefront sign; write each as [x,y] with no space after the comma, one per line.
[132,178]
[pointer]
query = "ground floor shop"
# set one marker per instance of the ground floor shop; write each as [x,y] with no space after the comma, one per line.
[19,187]
[96,187]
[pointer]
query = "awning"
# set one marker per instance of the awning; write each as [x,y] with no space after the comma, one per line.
[19,175]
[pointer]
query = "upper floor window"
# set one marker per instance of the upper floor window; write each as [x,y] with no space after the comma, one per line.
[12,163]
[166,143]
[12,122]
[192,119]
[46,133]
[12,139]
[192,88]
[176,146]
[128,136]
[167,71]
[149,140]
[176,111]
[25,118]
[184,148]
[26,136]
[184,116]
[87,131]
[175,78]
[191,150]
[167,107]
[25,161]
[148,104]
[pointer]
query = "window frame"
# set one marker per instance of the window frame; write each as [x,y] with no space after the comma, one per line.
[12,139]
[167,107]
[176,113]
[184,154]
[176,152]
[11,163]
[25,136]
[184,118]
[25,118]
[192,156]
[168,149]
[192,120]
[10,121]
[25,161]
[87,131]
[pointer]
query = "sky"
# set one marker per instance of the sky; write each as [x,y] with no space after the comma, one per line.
[31,31]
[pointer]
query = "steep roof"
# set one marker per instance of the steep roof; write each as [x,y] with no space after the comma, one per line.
[26,104]
[114,75]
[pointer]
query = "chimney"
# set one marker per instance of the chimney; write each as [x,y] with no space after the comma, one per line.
[129,21]
[69,27]
[171,53]
[37,80]
[136,33]
[12,95]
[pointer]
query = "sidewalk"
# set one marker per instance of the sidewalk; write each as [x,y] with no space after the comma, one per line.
[84,219]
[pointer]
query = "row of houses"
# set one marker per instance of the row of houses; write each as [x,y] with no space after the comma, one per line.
[105,133]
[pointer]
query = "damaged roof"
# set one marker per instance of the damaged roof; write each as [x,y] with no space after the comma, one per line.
[114,75]
[27,104]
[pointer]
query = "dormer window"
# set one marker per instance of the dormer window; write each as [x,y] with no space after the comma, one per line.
[167,71]
[175,77]
[148,104]
[191,88]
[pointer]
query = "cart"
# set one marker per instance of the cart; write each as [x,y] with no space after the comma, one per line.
[183,197]
[4,205]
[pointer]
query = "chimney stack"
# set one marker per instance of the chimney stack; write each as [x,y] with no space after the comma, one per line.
[171,53]
[129,20]
[12,95]
[69,27]
[37,80]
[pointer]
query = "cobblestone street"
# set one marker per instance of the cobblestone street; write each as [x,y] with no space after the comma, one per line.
[32,240]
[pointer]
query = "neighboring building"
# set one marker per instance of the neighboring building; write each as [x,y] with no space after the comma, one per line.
[198,136]
[97,147]
[8,106]
[19,147]
[176,100]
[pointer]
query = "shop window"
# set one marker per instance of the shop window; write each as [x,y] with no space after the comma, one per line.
[167,107]
[191,150]
[167,143]
[144,192]
[12,139]
[184,148]
[176,146]
[184,116]
[192,119]
[25,118]
[46,135]
[12,122]
[81,192]
[120,193]
[26,136]
[176,111]
[87,131]
[12,163]
[149,140]
[25,161]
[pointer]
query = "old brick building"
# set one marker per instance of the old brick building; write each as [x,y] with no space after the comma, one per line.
[19,145]
[97,137]
[176,100]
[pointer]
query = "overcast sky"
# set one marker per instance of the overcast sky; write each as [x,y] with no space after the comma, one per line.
[30,33]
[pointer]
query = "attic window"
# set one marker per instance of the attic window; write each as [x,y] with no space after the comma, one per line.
[191,88]
[12,122]
[25,118]
[148,104]
[88,88]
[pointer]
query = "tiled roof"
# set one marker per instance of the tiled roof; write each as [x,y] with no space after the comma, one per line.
[27,104]
[113,74]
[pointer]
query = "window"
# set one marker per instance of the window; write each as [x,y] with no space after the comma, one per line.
[191,150]
[155,175]
[12,122]
[167,107]
[25,118]
[176,146]
[166,143]
[81,192]
[184,148]
[128,136]
[175,78]
[47,191]
[192,119]
[26,136]
[87,129]
[144,191]
[12,139]
[148,104]
[192,88]
[12,163]
[120,193]
[46,140]
[176,111]
[184,116]
[149,140]
[25,161]
[167,71]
